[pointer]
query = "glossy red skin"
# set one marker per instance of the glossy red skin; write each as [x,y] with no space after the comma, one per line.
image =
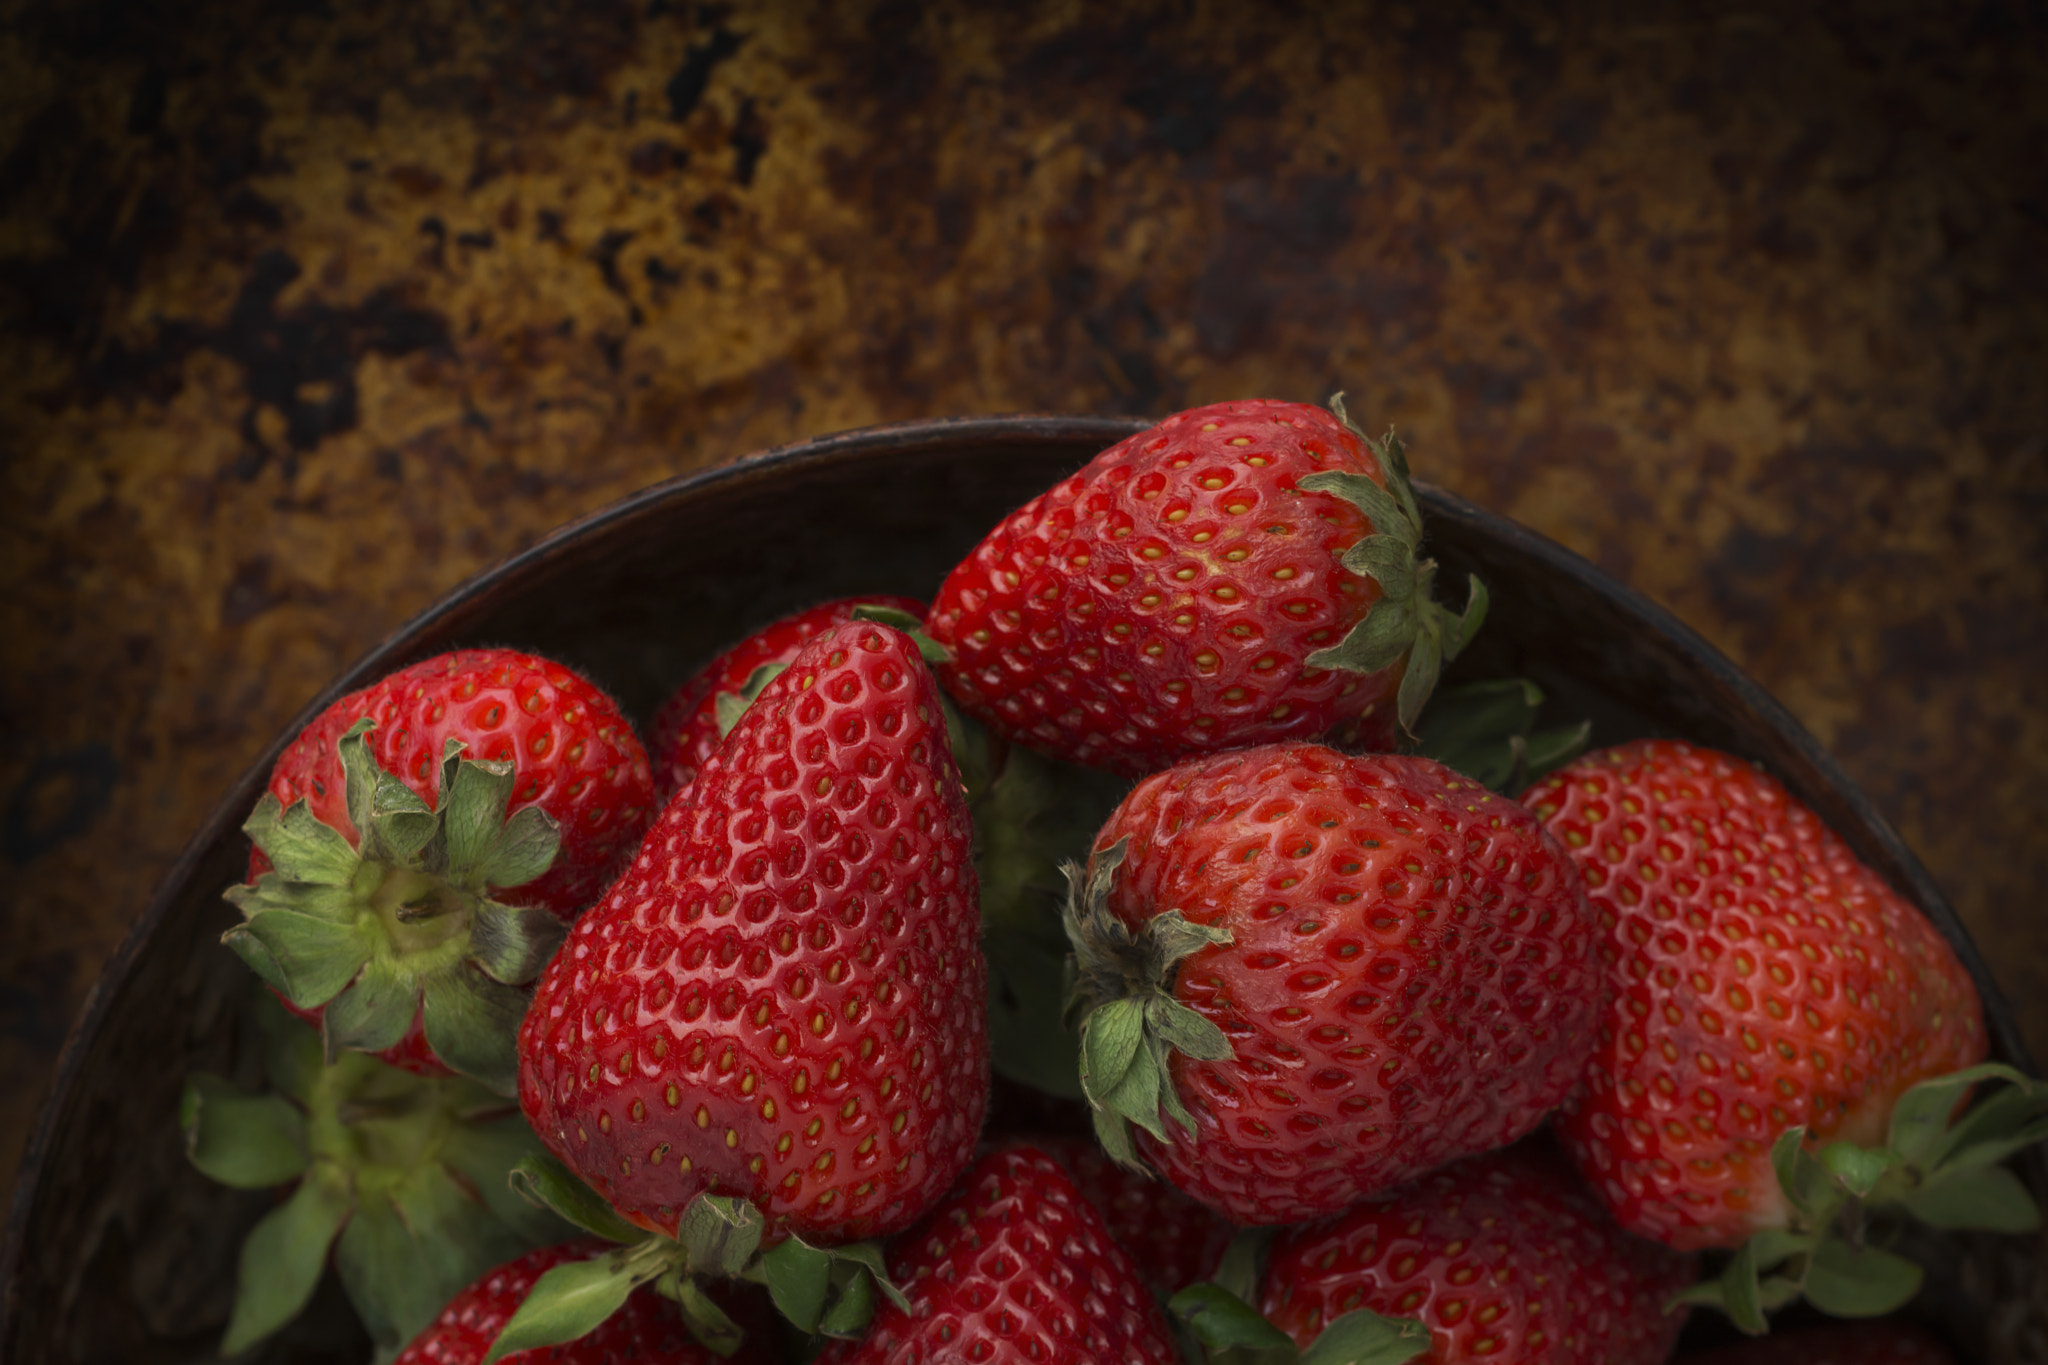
[1728,900]
[647,1331]
[1053,652]
[1505,1257]
[1886,1341]
[685,731]
[1173,1240]
[783,978]
[575,755]
[1390,1008]
[1015,1267]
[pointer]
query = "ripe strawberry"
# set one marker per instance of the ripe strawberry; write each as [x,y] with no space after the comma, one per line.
[1505,1257]
[647,1331]
[1173,1240]
[1202,586]
[1014,1267]
[783,998]
[1334,972]
[421,846]
[1891,1341]
[1764,979]
[688,728]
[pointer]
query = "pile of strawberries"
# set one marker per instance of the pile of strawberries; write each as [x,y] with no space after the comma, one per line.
[1092,967]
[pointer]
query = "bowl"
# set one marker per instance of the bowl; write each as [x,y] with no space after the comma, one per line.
[116,1248]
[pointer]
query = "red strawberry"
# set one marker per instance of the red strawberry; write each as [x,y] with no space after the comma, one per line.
[1173,1240]
[500,792]
[1765,979]
[1013,1268]
[1892,1341]
[1506,1258]
[1333,972]
[1201,586]
[688,728]
[783,998]
[647,1331]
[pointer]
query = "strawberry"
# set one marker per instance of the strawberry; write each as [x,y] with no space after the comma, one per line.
[783,997]
[1014,1267]
[1240,573]
[1505,1257]
[1173,1240]
[1892,1341]
[422,845]
[1768,989]
[647,1331]
[689,726]
[1333,973]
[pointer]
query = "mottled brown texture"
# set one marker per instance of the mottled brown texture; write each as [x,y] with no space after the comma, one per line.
[307,312]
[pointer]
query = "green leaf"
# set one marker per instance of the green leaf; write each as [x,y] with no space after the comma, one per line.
[249,1142]
[868,1257]
[728,707]
[1380,507]
[1183,1030]
[1989,1198]
[292,1055]
[1244,1260]
[854,1309]
[1388,560]
[1363,1337]
[1739,1292]
[300,846]
[798,1277]
[1857,1168]
[1808,1186]
[308,960]
[1851,1282]
[360,775]
[1028,1041]
[714,1329]
[472,813]
[1111,1037]
[571,1301]
[472,1023]
[719,1234]
[412,1245]
[1459,630]
[928,649]
[511,943]
[372,1014]
[1921,1129]
[1221,1320]
[283,1257]
[527,846]
[1425,663]
[402,824]
[1548,750]
[1136,1095]
[545,1182]
[1376,643]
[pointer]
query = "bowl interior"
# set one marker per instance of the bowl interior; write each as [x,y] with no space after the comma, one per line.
[116,1247]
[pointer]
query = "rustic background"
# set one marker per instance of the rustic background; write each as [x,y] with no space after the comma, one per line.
[308,311]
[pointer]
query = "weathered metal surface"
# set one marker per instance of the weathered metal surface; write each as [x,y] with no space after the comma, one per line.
[309,311]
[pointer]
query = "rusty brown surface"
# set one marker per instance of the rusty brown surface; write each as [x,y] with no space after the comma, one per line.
[308,312]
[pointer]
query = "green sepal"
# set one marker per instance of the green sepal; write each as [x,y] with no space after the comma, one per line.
[300,847]
[828,1290]
[574,1298]
[728,707]
[543,1181]
[248,1142]
[1222,1321]
[1363,1337]
[283,1257]
[511,943]
[1487,731]
[798,1276]
[1859,1282]
[854,1309]
[930,650]
[1242,1268]
[718,1234]
[306,960]
[711,1325]
[1986,1198]
[1406,621]
[372,1014]
[1122,994]
[472,1024]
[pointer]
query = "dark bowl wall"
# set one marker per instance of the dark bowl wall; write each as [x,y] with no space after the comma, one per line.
[117,1250]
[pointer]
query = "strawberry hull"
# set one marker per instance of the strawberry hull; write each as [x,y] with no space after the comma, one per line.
[892,510]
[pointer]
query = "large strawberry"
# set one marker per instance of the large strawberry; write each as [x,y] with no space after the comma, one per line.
[694,720]
[1331,973]
[647,1331]
[1769,990]
[1240,573]
[1015,1267]
[424,842]
[1506,1258]
[775,1020]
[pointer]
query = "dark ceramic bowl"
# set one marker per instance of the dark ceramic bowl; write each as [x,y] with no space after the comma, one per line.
[117,1250]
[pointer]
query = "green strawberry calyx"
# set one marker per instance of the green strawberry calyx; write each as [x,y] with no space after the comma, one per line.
[403,924]
[825,1290]
[1219,1326]
[398,1180]
[1845,1203]
[1407,622]
[1487,731]
[1122,995]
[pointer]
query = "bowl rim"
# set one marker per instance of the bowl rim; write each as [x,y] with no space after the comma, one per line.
[1008,429]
